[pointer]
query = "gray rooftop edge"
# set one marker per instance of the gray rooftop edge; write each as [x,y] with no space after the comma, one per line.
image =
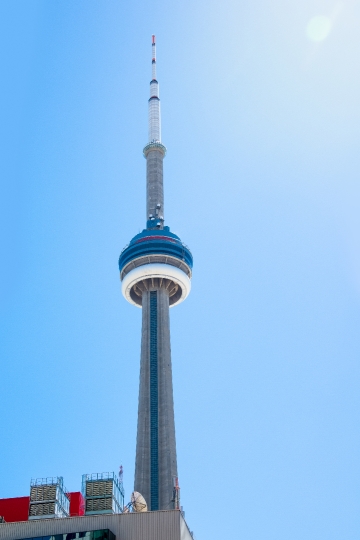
[160,525]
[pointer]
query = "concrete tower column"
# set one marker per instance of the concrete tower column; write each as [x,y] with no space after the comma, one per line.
[156,463]
[154,184]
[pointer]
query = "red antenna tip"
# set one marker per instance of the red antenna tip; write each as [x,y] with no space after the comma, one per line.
[153,38]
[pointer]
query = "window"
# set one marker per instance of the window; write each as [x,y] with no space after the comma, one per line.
[104,534]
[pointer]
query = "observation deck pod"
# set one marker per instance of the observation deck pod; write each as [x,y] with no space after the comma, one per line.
[156,258]
[103,493]
[48,498]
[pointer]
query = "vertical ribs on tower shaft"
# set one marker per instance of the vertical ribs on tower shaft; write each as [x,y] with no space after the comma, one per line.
[156,463]
[154,183]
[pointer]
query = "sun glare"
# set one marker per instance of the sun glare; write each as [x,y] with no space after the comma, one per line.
[319,28]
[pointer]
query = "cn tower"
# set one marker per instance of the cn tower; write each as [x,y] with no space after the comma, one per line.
[155,272]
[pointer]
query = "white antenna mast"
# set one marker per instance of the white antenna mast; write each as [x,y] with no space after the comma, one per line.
[154,101]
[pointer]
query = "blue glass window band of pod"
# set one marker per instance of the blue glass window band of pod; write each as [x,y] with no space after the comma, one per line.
[104,534]
[154,427]
[159,242]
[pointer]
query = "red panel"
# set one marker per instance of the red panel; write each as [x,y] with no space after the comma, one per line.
[77,504]
[15,509]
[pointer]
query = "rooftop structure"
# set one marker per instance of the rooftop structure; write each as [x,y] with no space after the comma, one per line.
[48,498]
[155,271]
[103,493]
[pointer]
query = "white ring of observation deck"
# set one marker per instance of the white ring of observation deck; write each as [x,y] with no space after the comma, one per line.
[156,270]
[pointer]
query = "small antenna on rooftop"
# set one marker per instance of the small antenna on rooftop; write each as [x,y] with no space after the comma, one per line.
[176,493]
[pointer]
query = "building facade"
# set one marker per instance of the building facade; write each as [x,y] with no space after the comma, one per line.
[168,525]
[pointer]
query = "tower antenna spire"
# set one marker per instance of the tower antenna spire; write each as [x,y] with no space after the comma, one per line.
[154,153]
[154,101]
[153,60]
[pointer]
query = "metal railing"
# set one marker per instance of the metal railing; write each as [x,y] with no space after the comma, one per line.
[48,480]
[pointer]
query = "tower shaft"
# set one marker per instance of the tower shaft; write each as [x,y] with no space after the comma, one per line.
[156,463]
[155,186]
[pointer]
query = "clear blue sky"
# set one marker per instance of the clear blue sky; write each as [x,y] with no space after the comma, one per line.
[261,118]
